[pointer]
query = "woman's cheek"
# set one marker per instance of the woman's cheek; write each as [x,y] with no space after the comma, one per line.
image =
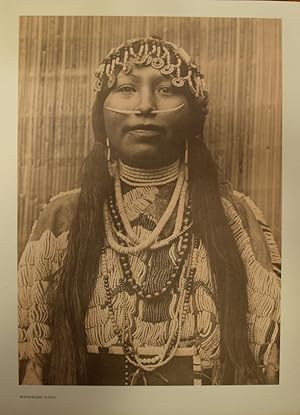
[178,123]
[112,121]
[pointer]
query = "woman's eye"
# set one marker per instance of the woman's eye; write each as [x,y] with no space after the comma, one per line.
[126,88]
[166,90]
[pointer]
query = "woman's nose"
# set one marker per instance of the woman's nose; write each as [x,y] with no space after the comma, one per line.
[147,102]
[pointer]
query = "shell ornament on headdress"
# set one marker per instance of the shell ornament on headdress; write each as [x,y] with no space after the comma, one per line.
[161,55]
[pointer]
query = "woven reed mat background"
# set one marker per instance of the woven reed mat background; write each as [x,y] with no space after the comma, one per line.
[241,59]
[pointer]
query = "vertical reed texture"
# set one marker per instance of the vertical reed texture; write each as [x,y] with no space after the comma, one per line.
[58,55]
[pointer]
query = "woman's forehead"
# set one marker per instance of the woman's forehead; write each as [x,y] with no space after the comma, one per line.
[143,73]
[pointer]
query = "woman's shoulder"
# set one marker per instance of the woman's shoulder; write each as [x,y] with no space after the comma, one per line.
[56,216]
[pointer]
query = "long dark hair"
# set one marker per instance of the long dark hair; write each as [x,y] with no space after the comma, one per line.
[68,361]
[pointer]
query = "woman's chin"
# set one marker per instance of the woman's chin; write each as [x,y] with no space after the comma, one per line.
[147,156]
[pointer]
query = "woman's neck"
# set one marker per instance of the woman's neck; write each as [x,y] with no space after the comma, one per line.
[136,176]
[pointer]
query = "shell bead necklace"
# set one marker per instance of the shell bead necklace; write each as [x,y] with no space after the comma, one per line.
[162,222]
[124,333]
[125,265]
[181,224]
[138,177]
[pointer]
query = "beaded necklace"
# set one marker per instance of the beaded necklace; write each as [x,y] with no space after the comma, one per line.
[118,213]
[182,224]
[124,333]
[137,177]
[124,260]
[162,222]
[122,239]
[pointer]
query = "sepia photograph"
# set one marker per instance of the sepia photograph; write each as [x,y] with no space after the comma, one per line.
[149,200]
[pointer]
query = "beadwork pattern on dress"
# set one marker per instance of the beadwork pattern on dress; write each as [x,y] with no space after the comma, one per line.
[43,257]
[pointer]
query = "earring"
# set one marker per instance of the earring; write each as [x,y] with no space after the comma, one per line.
[111,164]
[186,160]
[108,154]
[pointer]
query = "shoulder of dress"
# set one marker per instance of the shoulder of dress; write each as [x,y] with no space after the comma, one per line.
[253,222]
[248,206]
[240,197]
[249,213]
[56,216]
[68,195]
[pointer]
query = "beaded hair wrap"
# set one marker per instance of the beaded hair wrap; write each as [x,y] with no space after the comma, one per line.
[161,55]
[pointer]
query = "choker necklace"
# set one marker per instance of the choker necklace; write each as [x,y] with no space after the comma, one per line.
[138,177]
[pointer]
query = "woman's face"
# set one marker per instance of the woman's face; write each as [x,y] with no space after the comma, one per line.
[146,139]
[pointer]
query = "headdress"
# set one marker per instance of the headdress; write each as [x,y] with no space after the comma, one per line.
[161,55]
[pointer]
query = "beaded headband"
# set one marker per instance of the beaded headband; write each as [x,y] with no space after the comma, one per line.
[161,55]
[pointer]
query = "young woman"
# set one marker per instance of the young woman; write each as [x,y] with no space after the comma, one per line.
[155,271]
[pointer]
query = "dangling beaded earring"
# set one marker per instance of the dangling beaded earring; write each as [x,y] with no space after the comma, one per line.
[108,154]
[186,160]
[111,164]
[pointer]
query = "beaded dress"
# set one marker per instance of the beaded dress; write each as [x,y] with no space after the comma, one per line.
[116,303]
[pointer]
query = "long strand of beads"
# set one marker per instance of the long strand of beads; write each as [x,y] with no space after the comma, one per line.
[127,272]
[121,247]
[175,335]
[161,243]
[163,220]
[150,241]
[125,335]
[189,276]
[181,223]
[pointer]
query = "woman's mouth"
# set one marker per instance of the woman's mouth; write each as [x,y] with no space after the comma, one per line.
[146,130]
[146,133]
